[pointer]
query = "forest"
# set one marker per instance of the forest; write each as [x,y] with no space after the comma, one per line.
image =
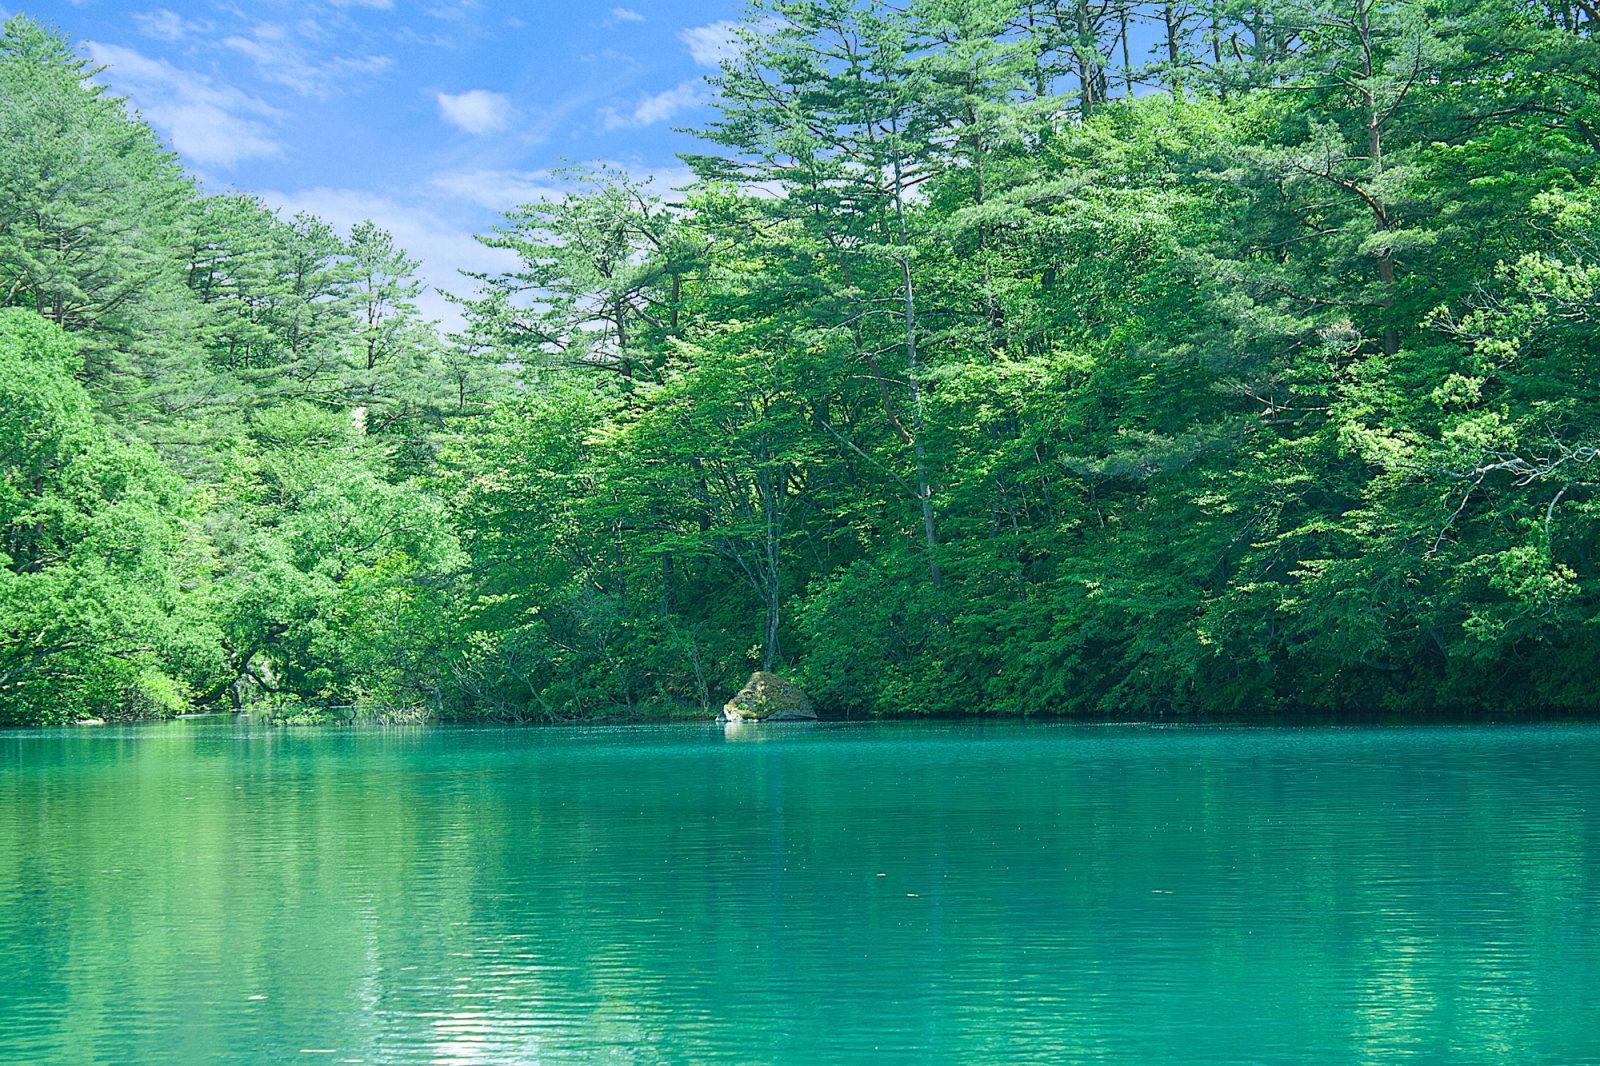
[1091,358]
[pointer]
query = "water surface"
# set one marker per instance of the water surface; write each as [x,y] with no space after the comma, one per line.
[200,892]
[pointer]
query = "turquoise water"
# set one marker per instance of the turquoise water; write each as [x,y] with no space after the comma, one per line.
[200,892]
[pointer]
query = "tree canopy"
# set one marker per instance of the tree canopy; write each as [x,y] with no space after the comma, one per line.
[986,367]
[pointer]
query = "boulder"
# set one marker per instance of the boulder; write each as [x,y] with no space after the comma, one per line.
[768,698]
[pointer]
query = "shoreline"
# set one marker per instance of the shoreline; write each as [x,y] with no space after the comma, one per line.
[1318,721]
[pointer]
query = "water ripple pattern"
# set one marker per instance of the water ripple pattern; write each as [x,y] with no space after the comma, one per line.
[198,892]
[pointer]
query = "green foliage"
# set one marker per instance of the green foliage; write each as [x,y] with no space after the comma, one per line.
[90,532]
[968,377]
[216,428]
[1262,395]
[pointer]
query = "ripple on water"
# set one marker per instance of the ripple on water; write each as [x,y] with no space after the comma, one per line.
[988,894]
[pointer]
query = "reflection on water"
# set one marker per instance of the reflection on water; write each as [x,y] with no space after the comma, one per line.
[197,892]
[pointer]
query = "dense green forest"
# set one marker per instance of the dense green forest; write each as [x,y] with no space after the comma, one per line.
[1009,357]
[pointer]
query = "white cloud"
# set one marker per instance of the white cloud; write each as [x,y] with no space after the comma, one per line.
[660,106]
[443,246]
[498,190]
[613,58]
[208,123]
[435,222]
[663,181]
[377,5]
[478,111]
[431,40]
[455,10]
[279,58]
[709,45]
[625,14]
[165,25]
[501,190]
[316,29]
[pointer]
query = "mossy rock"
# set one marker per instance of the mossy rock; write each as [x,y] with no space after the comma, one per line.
[768,698]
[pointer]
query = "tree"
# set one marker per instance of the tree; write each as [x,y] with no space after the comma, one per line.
[90,549]
[822,103]
[601,279]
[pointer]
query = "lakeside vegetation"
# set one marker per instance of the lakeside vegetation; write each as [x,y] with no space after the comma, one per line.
[988,367]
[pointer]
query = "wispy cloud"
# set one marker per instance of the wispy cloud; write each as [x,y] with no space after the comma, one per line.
[624,14]
[165,25]
[444,246]
[660,181]
[659,107]
[710,44]
[502,189]
[456,10]
[613,58]
[435,221]
[279,56]
[209,123]
[499,190]
[478,111]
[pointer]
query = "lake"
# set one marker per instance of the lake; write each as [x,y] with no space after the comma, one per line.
[205,891]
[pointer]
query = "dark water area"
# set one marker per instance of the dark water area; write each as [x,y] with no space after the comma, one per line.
[202,891]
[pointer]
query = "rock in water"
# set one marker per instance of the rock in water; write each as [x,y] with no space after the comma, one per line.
[768,698]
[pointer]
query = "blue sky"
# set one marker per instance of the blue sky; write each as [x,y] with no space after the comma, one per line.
[428,116]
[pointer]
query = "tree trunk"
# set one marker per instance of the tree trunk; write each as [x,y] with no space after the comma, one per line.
[1088,73]
[930,533]
[1127,60]
[769,566]
[769,646]
[1380,212]
[1169,15]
